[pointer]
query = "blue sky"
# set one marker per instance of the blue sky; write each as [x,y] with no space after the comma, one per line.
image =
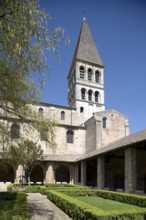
[119,31]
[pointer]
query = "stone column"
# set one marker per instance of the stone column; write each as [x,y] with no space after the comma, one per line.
[130,170]
[76,174]
[100,172]
[72,174]
[83,173]
[20,173]
[50,174]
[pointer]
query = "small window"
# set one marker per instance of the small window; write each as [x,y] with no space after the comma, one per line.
[89,74]
[81,110]
[97,76]
[83,93]
[44,135]
[82,71]
[15,131]
[62,115]
[70,135]
[104,122]
[90,95]
[41,111]
[96,96]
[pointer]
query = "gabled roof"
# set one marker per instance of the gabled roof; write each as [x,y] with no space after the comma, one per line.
[86,49]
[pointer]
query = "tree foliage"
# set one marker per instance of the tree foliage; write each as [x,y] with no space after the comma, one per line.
[28,154]
[25,41]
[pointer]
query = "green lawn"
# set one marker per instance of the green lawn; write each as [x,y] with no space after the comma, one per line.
[14,207]
[108,205]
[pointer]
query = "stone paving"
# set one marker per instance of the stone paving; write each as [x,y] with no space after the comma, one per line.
[43,209]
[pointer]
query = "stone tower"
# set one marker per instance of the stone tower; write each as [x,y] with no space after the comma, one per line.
[86,76]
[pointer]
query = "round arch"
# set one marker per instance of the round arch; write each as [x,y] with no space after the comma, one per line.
[7,173]
[62,174]
[37,174]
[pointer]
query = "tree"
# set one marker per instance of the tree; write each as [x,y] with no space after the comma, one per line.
[25,41]
[28,154]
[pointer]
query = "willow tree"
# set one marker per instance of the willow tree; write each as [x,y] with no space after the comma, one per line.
[25,41]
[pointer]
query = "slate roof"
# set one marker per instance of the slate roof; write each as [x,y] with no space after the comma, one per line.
[128,141]
[86,49]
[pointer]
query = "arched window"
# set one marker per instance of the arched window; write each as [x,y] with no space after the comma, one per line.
[44,135]
[15,131]
[90,95]
[62,115]
[83,93]
[104,122]
[41,111]
[97,76]
[82,71]
[81,109]
[70,135]
[96,96]
[90,74]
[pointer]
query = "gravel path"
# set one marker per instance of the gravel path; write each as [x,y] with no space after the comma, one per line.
[43,209]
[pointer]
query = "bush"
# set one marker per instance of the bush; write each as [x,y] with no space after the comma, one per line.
[137,200]
[78,210]
[14,206]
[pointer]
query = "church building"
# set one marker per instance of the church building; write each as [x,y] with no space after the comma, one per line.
[94,145]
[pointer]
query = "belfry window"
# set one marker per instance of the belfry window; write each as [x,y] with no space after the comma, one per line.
[97,76]
[90,95]
[69,136]
[90,74]
[62,115]
[15,131]
[82,71]
[104,122]
[96,96]
[83,93]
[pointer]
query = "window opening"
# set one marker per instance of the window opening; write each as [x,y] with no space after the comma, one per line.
[90,95]
[104,122]
[83,94]
[70,135]
[97,76]
[62,115]
[82,71]
[81,109]
[15,131]
[41,111]
[90,74]
[44,135]
[96,96]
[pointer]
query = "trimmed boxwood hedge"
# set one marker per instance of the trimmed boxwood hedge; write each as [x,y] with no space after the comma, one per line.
[78,210]
[63,195]
[65,199]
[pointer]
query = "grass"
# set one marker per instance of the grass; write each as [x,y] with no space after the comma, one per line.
[107,205]
[14,208]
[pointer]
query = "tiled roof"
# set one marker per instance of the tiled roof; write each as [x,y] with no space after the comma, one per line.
[130,140]
[61,157]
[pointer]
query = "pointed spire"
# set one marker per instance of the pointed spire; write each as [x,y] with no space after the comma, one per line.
[86,49]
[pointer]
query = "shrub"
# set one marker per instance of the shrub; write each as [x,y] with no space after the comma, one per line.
[14,206]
